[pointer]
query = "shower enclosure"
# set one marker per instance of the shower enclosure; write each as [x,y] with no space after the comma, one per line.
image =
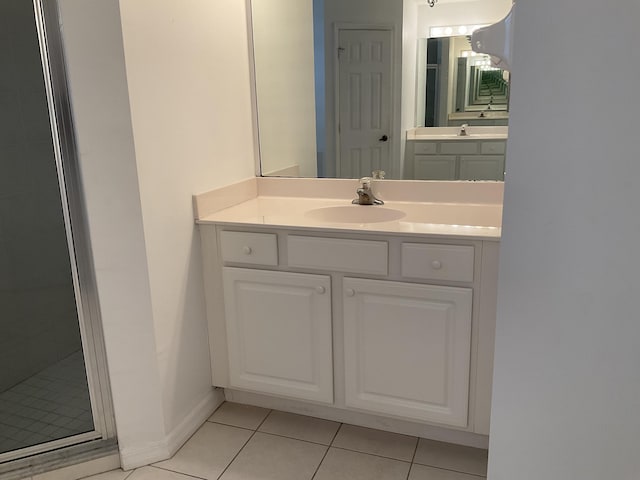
[53,383]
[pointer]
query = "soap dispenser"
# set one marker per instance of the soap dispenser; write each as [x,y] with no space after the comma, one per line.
[496,40]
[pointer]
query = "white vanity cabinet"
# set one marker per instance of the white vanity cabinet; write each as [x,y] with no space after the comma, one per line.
[279,332]
[407,349]
[393,328]
[463,159]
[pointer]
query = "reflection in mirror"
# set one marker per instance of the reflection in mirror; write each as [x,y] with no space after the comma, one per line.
[460,86]
[344,87]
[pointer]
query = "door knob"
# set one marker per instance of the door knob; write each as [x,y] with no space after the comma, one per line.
[383,138]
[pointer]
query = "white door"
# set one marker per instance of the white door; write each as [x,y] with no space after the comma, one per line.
[279,333]
[364,102]
[407,349]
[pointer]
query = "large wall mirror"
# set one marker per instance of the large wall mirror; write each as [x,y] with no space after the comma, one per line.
[345,87]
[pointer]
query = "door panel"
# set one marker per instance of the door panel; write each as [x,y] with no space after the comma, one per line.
[365,73]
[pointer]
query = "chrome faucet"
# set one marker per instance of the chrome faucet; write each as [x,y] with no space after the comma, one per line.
[463,130]
[365,194]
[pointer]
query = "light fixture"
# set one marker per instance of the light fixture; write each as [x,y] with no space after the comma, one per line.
[431,3]
[448,31]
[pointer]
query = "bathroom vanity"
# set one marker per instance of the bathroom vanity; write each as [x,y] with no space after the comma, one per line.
[441,153]
[382,315]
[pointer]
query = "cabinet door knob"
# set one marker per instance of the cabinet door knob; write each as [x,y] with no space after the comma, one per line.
[320,289]
[436,265]
[247,250]
[350,292]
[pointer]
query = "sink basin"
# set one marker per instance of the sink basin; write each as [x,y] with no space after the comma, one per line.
[355,214]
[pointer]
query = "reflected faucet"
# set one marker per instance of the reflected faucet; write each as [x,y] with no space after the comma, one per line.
[463,130]
[365,194]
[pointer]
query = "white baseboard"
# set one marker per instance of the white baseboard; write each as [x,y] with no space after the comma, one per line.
[361,419]
[192,422]
[158,451]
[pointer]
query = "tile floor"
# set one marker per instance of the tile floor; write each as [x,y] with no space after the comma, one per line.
[248,443]
[51,404]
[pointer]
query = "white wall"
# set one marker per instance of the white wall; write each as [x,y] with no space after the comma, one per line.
[186,130]
[98,86]
[410,64]
[460,13]
[187,69]
[285,84]
[566,387]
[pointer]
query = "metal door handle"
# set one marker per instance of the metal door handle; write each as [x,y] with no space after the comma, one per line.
[383,138]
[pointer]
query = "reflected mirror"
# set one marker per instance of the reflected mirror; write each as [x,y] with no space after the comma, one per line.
[345,87]
[459,85]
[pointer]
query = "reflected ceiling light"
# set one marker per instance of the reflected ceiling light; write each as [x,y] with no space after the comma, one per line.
[447,31]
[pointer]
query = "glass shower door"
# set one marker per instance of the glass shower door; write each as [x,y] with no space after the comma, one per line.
[44,387]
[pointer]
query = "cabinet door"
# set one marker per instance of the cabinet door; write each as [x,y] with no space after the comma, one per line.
[434,167]
[482,167]
[279,333]
[407,349]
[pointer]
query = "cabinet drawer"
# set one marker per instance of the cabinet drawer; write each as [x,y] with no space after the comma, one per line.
[437,262]
[425,148]
[495,148]
[463,147]
[338,254]
[248,247]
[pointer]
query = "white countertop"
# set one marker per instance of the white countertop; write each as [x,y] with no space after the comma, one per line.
[462,220]
[474,132]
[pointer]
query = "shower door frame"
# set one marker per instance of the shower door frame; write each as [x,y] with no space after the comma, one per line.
[78,241]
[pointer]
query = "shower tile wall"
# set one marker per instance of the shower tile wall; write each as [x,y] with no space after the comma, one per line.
[38,318]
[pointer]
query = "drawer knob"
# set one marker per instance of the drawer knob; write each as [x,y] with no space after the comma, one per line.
[247,250]
[320,289]
[436,265]
[350,292]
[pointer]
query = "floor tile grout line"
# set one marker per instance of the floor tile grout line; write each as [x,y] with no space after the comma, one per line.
[294,438]
[244,445]
[175,471]
[326,452]
[415,450]
[230,425]
[450,469]
[336,435]
[371,454]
